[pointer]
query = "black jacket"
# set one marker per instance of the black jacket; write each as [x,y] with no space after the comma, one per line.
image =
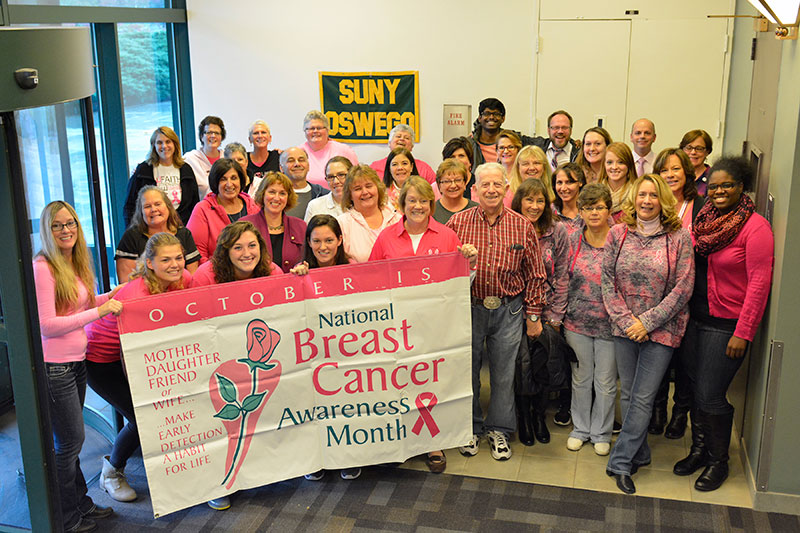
[143,176]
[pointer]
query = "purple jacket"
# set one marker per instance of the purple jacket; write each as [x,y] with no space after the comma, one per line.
[586,313]
[555,255]
[650,278]
[294,234]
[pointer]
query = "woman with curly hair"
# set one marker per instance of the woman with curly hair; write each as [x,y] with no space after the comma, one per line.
[241,253]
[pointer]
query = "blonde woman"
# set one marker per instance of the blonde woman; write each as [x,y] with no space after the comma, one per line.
[531,163]
[647,279]
[618,172]
[366,212]
[160,269]
[65,298]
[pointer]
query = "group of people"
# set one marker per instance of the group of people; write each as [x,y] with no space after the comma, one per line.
[591,264]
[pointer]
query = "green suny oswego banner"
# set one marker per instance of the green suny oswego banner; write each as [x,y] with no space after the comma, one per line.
[363,107]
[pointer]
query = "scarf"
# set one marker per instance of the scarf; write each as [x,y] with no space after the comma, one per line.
[713,231]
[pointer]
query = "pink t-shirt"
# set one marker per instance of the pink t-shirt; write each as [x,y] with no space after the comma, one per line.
[317,160]
[489,152]
[103,334]
[205,276]
[423,168]
[63,337]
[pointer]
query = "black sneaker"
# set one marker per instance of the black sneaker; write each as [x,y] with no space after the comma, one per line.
[563,418]
[617,428]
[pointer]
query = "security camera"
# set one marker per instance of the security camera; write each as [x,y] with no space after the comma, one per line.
[27,78]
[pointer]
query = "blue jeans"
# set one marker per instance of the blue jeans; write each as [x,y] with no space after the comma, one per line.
[641,367]
[710,371]
[596,369]
[500,330]
[109,381]
[66,384]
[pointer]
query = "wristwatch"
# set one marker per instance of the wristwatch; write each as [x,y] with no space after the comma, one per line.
[533,318]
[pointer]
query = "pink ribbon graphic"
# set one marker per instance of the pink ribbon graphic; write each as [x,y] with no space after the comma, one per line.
[425,417]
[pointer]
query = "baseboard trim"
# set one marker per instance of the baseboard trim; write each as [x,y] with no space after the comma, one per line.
[766,501]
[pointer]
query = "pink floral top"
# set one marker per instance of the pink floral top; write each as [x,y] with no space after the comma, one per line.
[650,278]
[555,256]
[586,313]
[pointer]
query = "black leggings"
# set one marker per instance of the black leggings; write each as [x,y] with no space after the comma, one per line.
[109,381]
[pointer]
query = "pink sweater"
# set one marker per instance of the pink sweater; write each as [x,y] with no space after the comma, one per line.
[317,160]
[650,278]
[103,334]
[740,276]
[205,276]
[63,337]
[209,219]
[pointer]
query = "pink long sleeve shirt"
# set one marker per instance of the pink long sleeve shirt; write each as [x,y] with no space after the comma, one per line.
[395,241]
[205,276]
[63,337]
[358,236]
[650,278]
[586,314]
[103,334]
[555,256]
[740,277]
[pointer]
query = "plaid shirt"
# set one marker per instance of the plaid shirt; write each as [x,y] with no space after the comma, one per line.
[509,259]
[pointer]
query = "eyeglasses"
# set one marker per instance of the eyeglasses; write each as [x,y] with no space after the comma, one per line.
[594,208]
[511,148]
[58,227]
[689,148]
[336,177]
[491,114]
[728,185]
[209,133]
[454,181]
[316,128]
[560,128]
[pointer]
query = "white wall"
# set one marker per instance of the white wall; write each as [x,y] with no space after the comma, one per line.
[260,59]
[256,59]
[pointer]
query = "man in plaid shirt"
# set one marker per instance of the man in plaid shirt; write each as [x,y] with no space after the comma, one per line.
[507,299]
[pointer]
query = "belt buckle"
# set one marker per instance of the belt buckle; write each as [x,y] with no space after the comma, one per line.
[491,302]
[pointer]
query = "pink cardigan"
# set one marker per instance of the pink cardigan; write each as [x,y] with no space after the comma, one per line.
[740,277]
[63,337]
[209,219]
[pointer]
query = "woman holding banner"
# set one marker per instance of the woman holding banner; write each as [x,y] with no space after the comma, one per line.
[324,248]
[366,214]
[418,234]
[241,253]
[64,280]
[160,269]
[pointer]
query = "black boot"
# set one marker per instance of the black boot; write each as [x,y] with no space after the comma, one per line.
[539,425]
[524,420]
[719,438]
[698,455]
[658,420]
[677,424]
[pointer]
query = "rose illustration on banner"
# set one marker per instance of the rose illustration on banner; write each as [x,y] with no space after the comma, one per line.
[239,410]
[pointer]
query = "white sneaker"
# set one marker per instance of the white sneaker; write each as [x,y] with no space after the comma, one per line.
[574,444]
[499,443]
[602,448]
[471,448]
